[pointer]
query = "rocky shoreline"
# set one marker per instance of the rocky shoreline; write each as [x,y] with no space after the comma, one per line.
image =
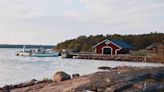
[119,79]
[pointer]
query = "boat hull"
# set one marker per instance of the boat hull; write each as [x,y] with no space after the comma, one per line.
[23,54]
[44,55]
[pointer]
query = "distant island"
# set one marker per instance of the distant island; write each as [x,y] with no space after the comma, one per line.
[27,46]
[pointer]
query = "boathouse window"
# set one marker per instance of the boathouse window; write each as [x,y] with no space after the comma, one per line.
[107,51]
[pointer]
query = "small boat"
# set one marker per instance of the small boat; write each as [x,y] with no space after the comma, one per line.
[23,52]
[41,52]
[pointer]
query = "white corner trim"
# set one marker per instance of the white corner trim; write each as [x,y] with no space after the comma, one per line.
[100,43]
[116,51]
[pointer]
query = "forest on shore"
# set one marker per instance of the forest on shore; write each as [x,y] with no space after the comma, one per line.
[27,46]
[84,43]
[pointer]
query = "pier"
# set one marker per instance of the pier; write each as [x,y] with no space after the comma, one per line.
[111,57]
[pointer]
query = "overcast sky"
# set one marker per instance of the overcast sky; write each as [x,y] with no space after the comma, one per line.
[53,21]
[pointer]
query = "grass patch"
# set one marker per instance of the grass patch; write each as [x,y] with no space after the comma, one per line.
[45,80]
[138,53]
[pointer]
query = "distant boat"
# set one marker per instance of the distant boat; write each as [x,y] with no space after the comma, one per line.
[45,54]
[41,52]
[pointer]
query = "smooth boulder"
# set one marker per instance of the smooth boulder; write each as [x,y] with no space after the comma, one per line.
[75,75]
[61,76]
[104,68]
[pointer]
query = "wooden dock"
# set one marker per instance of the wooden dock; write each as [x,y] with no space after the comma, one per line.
[112,57]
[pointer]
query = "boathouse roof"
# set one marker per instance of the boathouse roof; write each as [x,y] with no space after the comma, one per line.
[121,43]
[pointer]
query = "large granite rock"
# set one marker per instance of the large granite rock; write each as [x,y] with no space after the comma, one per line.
[61,76]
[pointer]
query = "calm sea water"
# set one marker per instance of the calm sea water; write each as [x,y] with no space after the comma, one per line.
[15,69]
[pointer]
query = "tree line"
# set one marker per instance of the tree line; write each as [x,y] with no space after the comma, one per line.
[85,43]
[27,46]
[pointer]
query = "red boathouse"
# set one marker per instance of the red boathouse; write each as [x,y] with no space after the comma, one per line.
[112,47]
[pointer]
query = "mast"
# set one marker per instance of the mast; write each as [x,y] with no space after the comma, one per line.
[24,47]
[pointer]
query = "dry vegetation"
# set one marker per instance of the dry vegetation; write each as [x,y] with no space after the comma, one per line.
[158,57]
